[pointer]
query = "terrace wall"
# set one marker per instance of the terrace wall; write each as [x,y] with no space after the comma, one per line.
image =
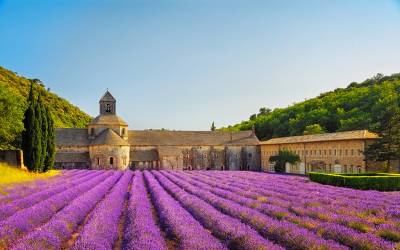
[12,158]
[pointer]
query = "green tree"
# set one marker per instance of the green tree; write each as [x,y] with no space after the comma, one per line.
[253,117]
[44,133]
[282,157]
[37,137]
[264,111]
[213,127]
[313,129]
[50,152]
[11,116]
[28,133]
[387,147]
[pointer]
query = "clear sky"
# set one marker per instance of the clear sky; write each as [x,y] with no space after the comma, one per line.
[183,64]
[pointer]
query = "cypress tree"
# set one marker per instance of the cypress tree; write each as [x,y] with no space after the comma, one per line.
[27,134]
[37,138]
[50,151]
[44,132]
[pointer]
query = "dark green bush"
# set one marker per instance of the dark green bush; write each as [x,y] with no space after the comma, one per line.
[369,181]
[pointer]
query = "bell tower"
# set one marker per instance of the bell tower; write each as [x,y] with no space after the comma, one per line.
[107,104]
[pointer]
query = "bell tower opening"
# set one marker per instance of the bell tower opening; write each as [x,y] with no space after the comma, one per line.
[107,104]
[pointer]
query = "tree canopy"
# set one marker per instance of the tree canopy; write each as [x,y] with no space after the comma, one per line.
[358,106]
[14,91]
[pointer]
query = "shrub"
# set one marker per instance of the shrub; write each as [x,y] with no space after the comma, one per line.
[374,181]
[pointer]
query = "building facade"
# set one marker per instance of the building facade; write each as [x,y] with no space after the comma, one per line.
[108,144]
[340,152]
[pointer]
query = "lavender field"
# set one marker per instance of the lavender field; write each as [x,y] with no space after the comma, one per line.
[87,209]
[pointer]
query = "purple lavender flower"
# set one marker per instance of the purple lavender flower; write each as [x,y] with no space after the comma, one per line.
[141,231]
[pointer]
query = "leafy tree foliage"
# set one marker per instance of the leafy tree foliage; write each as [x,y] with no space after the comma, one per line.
[38,140]
[387,147]
[11,114]
[29,131]
[51,142]
[282,157]
[313,129]
[14,91]
[359,106]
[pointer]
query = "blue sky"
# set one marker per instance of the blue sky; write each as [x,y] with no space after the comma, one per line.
[183,64]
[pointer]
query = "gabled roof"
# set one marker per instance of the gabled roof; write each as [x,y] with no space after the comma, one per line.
[72,137]
[190,138]
[109,137]
[338,136]
[108,120]
[107,97]
[80,137]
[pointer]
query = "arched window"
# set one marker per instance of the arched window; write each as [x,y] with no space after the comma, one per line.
[111,160]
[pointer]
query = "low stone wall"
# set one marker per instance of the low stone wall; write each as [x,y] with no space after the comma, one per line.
[13,158]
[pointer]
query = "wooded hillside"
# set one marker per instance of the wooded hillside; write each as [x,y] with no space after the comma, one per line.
[13,101]
[359,106]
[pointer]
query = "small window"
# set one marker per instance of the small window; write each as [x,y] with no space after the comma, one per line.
[92,131]
[98,161]
[352,152]
[330,151]
[123,131]
[108,108]
[111,160]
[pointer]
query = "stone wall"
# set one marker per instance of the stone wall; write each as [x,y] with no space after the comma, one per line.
[328,156]
[206,158]
[109,157]
[12,158]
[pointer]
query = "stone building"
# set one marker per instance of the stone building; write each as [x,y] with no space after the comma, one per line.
[108,144]
[340,152]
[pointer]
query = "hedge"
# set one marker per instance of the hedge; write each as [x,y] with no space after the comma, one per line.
[369,181]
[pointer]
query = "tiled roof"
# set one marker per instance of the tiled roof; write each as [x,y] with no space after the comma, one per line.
[108,120]
[107,97]
[109,137]
[190,138]
[338,136]
[72,137]
[79,137]
[144,155]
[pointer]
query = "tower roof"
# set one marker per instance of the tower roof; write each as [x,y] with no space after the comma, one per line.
[108,120]
[109,137]
[107,97]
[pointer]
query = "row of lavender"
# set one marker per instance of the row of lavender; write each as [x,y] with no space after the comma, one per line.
[195,210]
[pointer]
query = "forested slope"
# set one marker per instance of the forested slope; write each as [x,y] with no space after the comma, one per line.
[359,106]
[13,94]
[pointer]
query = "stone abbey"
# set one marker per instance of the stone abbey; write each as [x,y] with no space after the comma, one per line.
[107,143]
